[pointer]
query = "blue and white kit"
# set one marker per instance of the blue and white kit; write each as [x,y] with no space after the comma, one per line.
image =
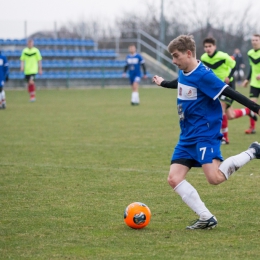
[200,115]
[133,63]
[4,69]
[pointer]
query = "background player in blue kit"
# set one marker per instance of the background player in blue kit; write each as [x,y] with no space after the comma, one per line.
[4,74]
[200,114]
[134,61]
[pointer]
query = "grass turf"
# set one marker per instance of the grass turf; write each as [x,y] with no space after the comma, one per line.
[72,161]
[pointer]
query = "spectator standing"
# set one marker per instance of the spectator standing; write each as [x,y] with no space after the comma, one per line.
[239,72]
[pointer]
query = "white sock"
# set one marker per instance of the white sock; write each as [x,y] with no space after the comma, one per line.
[191,197]
[137,97]
[133,97]
[243,111]
[3,96]
[233,163]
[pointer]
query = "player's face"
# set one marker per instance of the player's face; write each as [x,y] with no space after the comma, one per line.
[209,48]
[132,49]
[255,42]
[182,60]
[30,44]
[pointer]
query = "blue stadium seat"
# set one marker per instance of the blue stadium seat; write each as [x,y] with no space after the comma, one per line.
[72,74]
[8,42]
[16,75]
[14,64]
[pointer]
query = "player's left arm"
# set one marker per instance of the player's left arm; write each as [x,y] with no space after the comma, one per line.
[144,70]
[6,69]
[235,95]
[142,62]
[232,65]
[39,56]
[40,66]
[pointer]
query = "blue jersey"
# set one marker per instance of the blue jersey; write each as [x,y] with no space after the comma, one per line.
[133,63]
[198,105]
[4,69]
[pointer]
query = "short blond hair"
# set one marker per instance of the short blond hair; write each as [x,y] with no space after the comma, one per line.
[182,44]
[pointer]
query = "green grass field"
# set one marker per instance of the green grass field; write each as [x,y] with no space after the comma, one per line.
[72,161]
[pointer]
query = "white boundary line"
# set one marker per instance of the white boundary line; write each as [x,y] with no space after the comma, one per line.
[163,171]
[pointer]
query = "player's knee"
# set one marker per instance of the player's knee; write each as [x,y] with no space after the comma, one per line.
[213,182]
[230,116]
[173,180]
[216,179]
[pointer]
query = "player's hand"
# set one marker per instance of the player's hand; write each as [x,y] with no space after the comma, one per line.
[124,75]
[158,80]
[245,82]
[145,77]
[40,71]
[21,69]
[227,80]
[258,77]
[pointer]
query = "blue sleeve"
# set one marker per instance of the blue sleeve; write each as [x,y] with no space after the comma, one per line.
[141,60]
[211,85]
[6,67]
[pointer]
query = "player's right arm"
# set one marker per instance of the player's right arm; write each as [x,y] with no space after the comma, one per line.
[246,81]
[125,70]
[165,84]
[22,62]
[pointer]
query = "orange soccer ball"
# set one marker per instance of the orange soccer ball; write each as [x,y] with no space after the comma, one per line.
[137,215]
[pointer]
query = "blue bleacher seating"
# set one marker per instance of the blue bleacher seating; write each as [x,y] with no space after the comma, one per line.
[67,53]
[50,42]
[70,62]
[99,74]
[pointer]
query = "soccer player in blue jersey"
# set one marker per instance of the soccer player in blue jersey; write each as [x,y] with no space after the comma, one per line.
[200,114]
[134,61]
[4,74]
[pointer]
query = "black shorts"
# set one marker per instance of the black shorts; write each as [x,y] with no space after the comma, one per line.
[254,92]
[28,77]
[228,100]
[186,162]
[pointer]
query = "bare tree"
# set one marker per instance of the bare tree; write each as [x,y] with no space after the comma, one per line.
[230,25]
